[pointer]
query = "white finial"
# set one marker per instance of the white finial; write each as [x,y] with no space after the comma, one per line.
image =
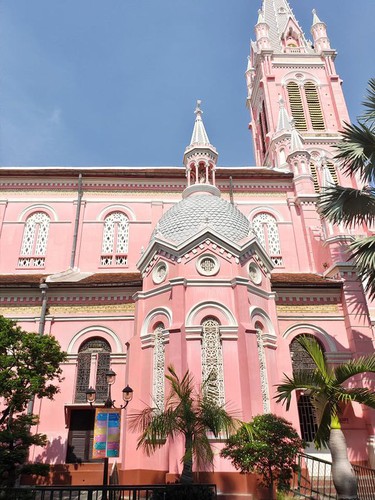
[295,138]
[260,17]
[316,19]
[283,122]
[198,107]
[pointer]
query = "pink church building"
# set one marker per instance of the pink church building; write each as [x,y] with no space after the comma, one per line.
[215,270]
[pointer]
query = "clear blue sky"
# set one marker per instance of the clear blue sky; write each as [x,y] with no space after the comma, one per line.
[114,82]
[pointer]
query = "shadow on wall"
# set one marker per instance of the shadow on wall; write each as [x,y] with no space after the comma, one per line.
[60,473]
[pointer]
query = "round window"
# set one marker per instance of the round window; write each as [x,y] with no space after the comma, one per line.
[255,274]
[160,272]
[208,265]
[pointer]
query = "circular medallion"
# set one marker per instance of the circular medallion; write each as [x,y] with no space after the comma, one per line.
[160,272]
[255,274]
[208,265]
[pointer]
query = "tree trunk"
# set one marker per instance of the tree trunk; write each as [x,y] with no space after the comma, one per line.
[187,471]
[343,475]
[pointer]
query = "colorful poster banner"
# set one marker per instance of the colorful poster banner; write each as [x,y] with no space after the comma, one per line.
[106,433]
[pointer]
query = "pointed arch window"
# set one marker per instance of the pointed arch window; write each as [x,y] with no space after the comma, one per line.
[296,106]
[306,412]
[159,367]
[212,361]
[115,240]
[265,227]
[314,107]
[34,241]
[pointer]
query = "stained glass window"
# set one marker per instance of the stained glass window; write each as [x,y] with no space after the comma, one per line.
[265,227]
[115,240]
[159,367]
[34,241]
[212,361]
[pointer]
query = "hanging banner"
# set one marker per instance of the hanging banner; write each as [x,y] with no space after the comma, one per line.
[106,433]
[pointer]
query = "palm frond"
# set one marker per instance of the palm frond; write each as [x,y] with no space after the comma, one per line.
[216,418]
[356,151]
[303,380]
[354,367]
[363,254]
[359,395]
[347,205]
[369,102]
[314,350]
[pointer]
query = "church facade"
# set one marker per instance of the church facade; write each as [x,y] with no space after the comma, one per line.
[213,270]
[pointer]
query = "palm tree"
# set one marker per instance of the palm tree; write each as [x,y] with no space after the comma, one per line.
[187,413]
[356,154]
[328,394]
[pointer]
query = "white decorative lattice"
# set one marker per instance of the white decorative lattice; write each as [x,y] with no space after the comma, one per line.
[208,265]
[263,372]
[212,362]
[115,240]
[34,242]
[159,367]
[265,227]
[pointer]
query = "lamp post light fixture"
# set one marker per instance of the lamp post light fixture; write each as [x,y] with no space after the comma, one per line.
[110,376]
[127,396]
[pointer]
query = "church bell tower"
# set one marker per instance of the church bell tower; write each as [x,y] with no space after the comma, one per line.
[292,78]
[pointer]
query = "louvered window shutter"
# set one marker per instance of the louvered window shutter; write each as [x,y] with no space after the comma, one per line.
[296,106]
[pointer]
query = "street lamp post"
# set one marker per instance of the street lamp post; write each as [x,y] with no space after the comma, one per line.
[127,396]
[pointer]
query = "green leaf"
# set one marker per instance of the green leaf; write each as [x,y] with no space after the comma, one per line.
[354,367]
[348,206]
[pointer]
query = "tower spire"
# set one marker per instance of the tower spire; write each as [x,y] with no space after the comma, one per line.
[319,33]
[316,19]
[281,20]
[199,135]
[200,156]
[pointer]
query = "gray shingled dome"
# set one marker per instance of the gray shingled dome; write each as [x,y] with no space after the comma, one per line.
[195,213]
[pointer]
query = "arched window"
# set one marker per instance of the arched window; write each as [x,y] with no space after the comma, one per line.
[93,355]
[159,368]
[115,240]
[296,106]
[92,365]
[302,361]
[212,361]
[34,241]
[313,104]
[265,227]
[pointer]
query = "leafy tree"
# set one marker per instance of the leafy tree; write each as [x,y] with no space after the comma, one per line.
[187,413]
[29,363]
[268,446]
[328,394]
[349,206]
